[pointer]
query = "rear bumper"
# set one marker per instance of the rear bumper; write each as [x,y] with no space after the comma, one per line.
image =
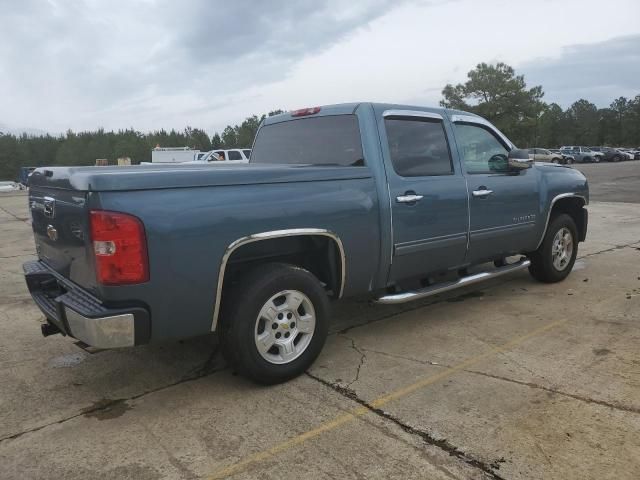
[77,313]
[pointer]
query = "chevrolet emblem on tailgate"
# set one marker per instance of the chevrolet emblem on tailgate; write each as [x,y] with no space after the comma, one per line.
[49,207]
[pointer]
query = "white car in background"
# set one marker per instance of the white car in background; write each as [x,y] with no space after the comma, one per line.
[240,155]
[629,153]
[9,186]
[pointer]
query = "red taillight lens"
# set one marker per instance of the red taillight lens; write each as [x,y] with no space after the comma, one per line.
[120,248]
[303,112]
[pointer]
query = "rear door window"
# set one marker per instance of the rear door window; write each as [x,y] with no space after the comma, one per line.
[418,147]
[328,140]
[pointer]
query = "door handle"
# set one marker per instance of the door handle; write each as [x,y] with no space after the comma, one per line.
[482,192]
[409,198]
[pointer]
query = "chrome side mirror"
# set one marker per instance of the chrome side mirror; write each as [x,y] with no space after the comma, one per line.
[518,159]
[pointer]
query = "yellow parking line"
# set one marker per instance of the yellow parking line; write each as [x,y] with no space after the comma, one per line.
[377,403]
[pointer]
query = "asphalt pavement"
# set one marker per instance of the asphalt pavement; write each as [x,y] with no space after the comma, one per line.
[613,182]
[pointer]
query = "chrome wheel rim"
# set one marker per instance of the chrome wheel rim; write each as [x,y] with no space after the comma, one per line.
[562,249]
[284,327]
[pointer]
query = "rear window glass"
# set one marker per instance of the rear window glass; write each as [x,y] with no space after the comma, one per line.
[329,140]
[235,155]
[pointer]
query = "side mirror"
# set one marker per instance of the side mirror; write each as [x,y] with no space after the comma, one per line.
[518,159]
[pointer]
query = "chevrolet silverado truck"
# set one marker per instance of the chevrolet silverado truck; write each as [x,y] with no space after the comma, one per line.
[388,201]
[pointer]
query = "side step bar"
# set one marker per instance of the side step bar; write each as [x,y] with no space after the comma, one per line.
[403,297]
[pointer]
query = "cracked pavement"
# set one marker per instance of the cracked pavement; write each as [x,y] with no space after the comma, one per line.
[564,403]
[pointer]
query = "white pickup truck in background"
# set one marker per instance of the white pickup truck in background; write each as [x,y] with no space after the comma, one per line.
[240,155]
[187,155]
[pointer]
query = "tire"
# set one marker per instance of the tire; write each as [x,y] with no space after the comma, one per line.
[263,300]
[568,161]
[546,266]
[616,158]
[555,160]
[595,160]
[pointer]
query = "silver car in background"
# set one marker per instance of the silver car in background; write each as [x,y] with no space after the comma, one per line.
[545,155]
[582,154]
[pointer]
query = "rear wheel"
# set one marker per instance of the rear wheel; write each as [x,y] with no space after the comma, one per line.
[275,323]
[554,259]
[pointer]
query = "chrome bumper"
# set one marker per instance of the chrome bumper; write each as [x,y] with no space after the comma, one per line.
[103,332]
[73,311]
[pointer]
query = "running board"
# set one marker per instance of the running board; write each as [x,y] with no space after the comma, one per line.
[403,297]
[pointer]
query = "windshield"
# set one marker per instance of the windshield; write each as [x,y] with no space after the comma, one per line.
[328,140]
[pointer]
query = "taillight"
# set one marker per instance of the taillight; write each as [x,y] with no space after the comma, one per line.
[303,112]
[120,248]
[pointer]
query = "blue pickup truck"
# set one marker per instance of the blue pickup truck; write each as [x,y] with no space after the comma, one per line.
[390,201]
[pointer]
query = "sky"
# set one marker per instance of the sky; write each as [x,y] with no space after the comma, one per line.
[151,64]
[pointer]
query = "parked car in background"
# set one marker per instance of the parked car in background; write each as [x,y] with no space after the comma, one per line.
[566,158]
[582,154]
[610,154]
[544,155]
[341,200]
[9,186]
[628,152]
[240,155]
[234,155]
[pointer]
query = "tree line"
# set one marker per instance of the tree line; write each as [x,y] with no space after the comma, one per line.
[502,97]
[492,91]
[83,148]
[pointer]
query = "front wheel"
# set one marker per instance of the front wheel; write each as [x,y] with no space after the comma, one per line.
[554,259]
[275,323]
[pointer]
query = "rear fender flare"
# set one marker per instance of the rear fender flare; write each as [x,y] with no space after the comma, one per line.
[256,237]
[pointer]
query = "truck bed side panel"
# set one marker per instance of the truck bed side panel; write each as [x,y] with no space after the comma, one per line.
[188,231]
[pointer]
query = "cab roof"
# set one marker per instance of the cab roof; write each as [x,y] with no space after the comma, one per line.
[350,108]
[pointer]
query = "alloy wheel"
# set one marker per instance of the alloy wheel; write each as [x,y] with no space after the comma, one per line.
[562,249]
[284,327]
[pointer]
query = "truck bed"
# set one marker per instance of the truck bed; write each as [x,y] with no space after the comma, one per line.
[147,177]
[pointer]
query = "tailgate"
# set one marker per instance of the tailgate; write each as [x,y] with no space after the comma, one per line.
[60,228]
